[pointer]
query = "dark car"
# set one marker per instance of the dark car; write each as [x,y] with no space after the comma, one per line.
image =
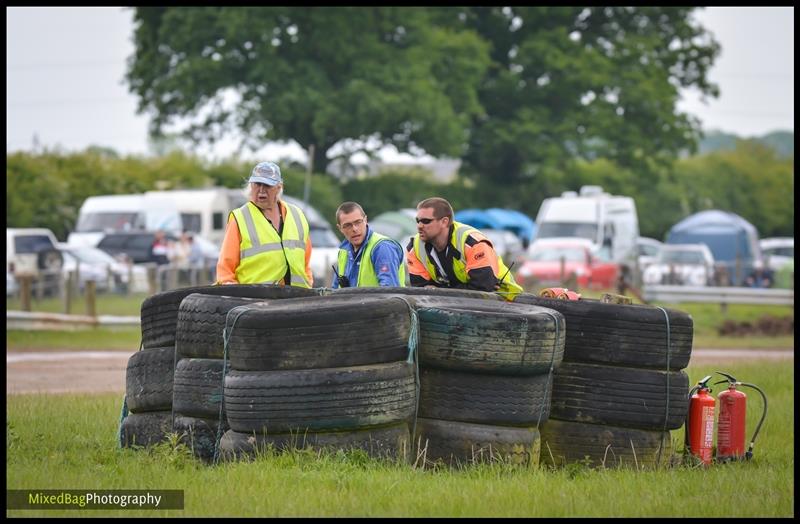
[138,246]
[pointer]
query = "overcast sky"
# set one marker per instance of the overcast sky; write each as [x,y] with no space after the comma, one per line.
[65,69]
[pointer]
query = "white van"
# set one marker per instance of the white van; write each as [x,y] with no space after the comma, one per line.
[202,211]
[610,222]
[112,213]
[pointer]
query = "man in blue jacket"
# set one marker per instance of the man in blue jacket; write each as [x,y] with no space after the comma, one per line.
[366,258]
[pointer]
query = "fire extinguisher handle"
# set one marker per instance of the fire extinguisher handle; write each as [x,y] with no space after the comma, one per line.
[729,378]
[749,453]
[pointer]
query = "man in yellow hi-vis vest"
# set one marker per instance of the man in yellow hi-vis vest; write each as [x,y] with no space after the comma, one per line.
[445,253]
[266,240]
[366,258]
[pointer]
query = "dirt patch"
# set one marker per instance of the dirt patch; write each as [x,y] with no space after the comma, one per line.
[66,372]
[767,325]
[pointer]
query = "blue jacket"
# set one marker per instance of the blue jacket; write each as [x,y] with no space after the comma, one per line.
[386,255]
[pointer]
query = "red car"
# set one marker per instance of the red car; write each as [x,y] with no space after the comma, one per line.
[542,265]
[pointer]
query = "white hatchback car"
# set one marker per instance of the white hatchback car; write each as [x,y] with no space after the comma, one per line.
[681,264]
[777,251]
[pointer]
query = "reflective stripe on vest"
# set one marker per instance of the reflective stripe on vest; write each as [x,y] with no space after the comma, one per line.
[366,272]
[264,254]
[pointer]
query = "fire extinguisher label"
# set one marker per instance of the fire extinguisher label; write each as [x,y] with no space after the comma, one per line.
[708,426]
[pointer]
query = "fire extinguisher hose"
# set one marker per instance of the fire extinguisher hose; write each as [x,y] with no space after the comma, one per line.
[749,453]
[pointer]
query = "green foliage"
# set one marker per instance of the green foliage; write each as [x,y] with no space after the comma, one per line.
[576,82]
[751,181]
[317,76]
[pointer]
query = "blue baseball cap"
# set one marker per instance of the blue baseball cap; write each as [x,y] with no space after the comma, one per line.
[266,173]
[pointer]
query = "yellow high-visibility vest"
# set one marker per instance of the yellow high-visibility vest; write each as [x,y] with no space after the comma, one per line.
[264,254]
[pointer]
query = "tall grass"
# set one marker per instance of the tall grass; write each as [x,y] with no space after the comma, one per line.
[69,442]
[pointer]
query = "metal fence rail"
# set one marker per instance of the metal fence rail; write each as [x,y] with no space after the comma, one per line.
[719,295]
[27,320]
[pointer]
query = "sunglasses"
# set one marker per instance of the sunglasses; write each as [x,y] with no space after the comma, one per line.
[425,221]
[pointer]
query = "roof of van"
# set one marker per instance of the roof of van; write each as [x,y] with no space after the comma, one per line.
[194,199]
[113,203]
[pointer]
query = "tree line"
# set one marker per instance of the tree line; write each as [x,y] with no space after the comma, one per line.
[46,189]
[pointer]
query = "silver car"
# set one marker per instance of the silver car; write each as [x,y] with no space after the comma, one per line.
[681,264]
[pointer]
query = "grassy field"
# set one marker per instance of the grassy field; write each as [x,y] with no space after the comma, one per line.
[707,318]
[69,442]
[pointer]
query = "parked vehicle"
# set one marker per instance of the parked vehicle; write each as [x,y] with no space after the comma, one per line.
[543,264]
[609,222]
[777,251]
[733,242]
[138,246]
[11,285]
[647,250]
[203,212]
[109,273]
[505,243]
[104,214]
[682,264]
[31,250]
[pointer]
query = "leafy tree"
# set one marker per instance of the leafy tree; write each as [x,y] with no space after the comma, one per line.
[316,75]
[584,82]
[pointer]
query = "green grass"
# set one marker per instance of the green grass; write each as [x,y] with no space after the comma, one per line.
[69,442]
[120,338]
[106,304]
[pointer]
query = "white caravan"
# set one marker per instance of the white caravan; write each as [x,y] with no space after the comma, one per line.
[610,222]
[203,212]
[111,213]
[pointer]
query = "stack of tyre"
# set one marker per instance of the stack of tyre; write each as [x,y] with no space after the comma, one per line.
[328,371]
[620,388]
[485,373]
[151,371]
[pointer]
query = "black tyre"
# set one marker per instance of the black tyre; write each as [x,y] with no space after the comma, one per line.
[197,391]
[461,443]
[625,335]
[484,399]
[149,379]
[392,442]
[620,396]
[319,399]
[201,320]
[145,429]
[603,446]
[160,312]
[511,341]
[199,434]
[49,259]
[320,332]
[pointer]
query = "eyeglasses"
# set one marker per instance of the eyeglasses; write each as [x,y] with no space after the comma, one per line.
[425,221]
[354,223]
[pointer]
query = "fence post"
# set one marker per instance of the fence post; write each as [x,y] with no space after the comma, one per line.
[562,270]
[67,297]
[25,291]
[151,280]
[91,309]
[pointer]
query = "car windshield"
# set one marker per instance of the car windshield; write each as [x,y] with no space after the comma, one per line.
[122,221]
[567,229]
[555,254]
[682,257]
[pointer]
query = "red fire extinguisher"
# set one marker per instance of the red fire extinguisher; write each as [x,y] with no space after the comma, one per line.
[732,418]
[699,438]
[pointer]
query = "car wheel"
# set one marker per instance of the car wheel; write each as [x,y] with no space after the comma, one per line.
[50,259]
